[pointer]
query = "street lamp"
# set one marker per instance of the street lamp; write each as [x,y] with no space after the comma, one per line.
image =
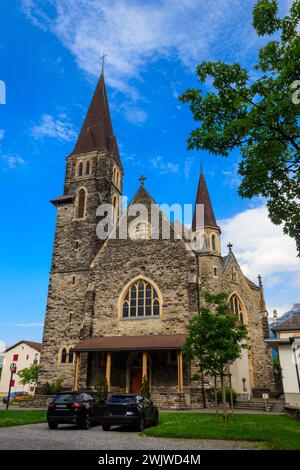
[12,368]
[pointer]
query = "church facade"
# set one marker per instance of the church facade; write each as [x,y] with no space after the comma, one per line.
[119,307]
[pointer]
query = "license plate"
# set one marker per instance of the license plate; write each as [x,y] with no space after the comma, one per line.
[61,406]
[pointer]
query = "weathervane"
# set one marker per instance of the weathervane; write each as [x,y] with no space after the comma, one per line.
[142,179]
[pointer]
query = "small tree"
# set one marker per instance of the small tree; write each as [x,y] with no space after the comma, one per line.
[145,388]
[102,389]
[29,375]
[215,339]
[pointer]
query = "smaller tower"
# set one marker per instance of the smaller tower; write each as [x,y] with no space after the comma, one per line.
[205,233]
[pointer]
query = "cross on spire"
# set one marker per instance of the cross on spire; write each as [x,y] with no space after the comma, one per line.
[103,59]
[259,280]
[142,179]
[229,246]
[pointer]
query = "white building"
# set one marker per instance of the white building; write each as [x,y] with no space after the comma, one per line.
[23,354]
[287,343]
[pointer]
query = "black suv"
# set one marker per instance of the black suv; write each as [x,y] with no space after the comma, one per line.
[76,408]
[130,410]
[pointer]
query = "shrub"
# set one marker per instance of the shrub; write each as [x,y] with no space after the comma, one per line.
[227,391]
[145,389]
[102,389]
[53,388]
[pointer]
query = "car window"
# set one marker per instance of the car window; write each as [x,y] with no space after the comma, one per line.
[121,399]
[140,399]
[67,398]
[86,397]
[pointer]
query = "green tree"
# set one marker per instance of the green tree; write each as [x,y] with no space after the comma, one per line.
[215,339]
[258,116]
[29,375]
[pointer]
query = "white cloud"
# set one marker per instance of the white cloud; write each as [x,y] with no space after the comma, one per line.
[164,167]
[27,325]
[232,178]
[260,246]
[59,128]
[2,132]
[135,33]
[188,163]
[13,160]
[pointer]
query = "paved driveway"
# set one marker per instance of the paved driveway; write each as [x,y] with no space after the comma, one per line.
[38,436]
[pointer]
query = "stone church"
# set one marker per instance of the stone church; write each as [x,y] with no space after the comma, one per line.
[119,307]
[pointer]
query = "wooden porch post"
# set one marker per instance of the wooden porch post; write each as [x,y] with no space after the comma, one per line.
[180,371]
[108,370]
[144,374]
[76,372]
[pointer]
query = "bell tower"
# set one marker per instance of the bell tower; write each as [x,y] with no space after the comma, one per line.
[205,234]
[94,175]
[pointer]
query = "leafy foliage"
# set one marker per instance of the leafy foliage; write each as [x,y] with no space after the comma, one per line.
[52,388]
[102,389]
[227,394]
[257,116]
[145,388]
[29,375]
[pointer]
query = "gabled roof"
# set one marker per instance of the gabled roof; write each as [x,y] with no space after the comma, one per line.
[293,323]
[203,198]
[32,344]
[97,132]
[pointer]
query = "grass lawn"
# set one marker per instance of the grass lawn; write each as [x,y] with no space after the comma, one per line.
[18,417]
[276,431]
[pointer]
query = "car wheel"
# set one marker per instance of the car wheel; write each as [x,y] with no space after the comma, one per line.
[86,424]
[156,420]
[141,425]
[105,427]
[52,425]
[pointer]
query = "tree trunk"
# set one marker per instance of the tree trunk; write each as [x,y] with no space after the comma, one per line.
[223,397]
[203,391]
[231,394]
[216,397]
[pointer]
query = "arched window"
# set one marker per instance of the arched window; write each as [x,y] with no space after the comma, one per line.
[203,243]
[237,309]
[87,168]
[140,231]
[80,169]
[141,300]
[71,357]
[81,202]
[115,209]
[64,356]
[213,242]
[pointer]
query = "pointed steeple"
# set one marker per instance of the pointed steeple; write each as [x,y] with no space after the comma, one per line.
[97,132]
[204,199]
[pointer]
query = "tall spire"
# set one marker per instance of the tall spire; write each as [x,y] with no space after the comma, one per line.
[204,199]
[97,132]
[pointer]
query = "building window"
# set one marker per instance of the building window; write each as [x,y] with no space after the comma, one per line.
[12,383]
[87,168]
[215,271]
[141,300]
[15,357]
[213,242]
[203,243]
[115,204]
[81,202]
[237,309]
[73,280]
[27,357]
[64,356]
[80,169]
[233,274]
[76,245]
[71,357]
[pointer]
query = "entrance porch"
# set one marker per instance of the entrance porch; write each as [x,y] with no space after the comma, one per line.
[125,360]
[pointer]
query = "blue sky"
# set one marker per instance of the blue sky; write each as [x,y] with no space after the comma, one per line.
[50,61]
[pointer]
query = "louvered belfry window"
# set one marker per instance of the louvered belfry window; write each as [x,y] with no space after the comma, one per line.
[141,300]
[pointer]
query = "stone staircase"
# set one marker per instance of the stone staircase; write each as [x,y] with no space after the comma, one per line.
[258,404]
